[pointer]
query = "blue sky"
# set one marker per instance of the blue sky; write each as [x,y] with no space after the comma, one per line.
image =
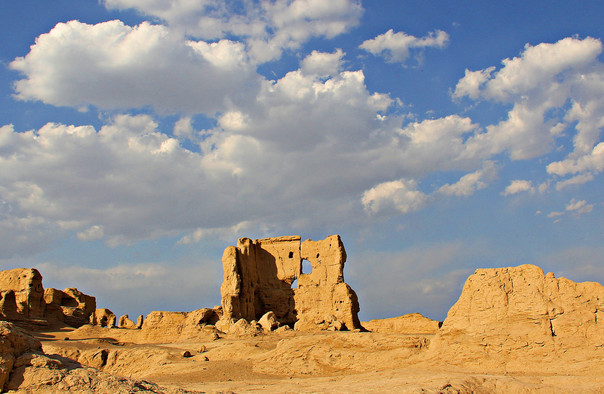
[139,138]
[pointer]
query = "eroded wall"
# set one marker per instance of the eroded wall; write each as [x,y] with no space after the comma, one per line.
[259,274]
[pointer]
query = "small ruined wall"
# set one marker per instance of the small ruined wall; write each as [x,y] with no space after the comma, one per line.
[322,297]
[23,297]
[259,274]
[21,294]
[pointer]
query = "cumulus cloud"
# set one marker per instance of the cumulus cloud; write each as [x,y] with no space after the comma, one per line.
[396,47]
[576,180]
[519,186]
[333,139]
[111,66]
[551,86]
[594,161]
[536,66]
[135,181]
[441,144]
[401,195]
[266,27]
[322,64]
[470,183]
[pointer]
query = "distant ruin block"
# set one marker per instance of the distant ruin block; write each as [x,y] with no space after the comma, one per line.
[103,317]
[260,276]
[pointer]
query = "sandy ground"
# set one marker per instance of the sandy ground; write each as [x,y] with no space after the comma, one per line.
[298,362]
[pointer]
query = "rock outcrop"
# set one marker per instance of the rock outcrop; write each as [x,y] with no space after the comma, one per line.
[70,306]
[259,274]
[24,367]
[23,298]
[21,294]
[506,316]
[13,343]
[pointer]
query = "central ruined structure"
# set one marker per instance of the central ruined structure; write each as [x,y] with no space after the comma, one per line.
[260,276]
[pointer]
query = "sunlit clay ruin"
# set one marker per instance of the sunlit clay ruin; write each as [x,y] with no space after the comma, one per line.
[260,276]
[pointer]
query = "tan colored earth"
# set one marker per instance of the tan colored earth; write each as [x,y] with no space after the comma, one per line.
[294,361]
[513,329]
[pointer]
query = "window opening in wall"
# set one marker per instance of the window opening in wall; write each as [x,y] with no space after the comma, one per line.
[306,267]
[291,255]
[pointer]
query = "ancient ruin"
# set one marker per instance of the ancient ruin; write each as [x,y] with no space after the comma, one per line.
[22,297]
[21,294]
[260,276]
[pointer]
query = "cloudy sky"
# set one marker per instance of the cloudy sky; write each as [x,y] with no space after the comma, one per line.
[139,138]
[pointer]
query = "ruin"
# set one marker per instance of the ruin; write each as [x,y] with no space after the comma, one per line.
[260,276]
[23,298]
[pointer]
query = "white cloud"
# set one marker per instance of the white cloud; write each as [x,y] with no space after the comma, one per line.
[470,84]
[267,27]
[322,64]
[554,214]
[536,66]
[519,186]
[591,162]
[551,87]
[579,207]
[576,180]
[111,65]
[139,183]
[440,144]
[401,195]
[470,183]
[395,47]
[316,132]
[575,207]
[183,128]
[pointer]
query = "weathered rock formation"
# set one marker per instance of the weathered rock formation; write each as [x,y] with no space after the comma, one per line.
[506,316]
[411,324]
[70,306]
[13,342]
[26,368]
[22,297]
[125,322]
[259,274]
[161,326]
[21,294]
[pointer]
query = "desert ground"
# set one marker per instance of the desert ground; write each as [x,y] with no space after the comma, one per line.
[513,329]
[290,361]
